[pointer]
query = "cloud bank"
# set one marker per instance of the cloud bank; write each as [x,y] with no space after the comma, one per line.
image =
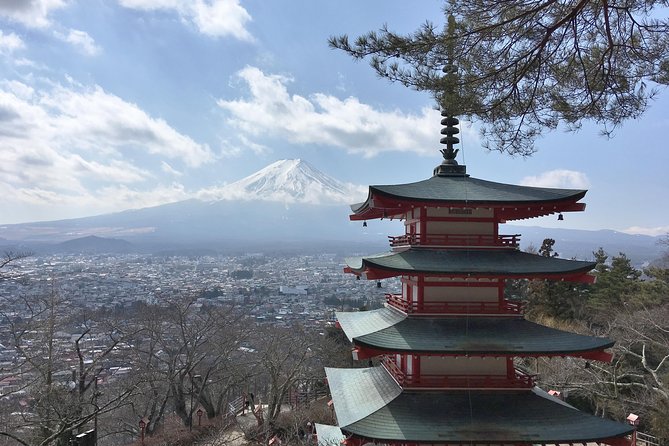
[80,40]
[324,119]
[10,43]
[653,232]
[559,178]
[31,13]
[215,18]
[80,147]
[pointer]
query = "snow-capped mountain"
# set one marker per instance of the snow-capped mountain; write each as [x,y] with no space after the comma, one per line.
[279,207]
[289,181]
[288,202]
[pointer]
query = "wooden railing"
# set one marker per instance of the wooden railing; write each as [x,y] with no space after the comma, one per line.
[520,380]
[643,439]
[454,307]
[469,240]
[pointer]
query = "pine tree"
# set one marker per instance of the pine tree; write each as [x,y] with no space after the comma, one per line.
[557,300]
[531,65]
[617,285]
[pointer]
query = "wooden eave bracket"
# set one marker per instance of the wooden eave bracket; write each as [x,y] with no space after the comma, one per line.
[379,206]
[373,273]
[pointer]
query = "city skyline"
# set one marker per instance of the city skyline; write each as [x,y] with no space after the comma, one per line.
[108,105]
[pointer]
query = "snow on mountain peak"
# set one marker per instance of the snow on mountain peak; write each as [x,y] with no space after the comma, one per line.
[289,181]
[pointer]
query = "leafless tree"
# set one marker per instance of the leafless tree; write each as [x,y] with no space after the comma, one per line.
[187,356]
[636,381]
[56,376]
[10,257]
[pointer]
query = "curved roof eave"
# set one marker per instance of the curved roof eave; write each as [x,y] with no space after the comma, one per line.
[388,330]
[479,416]
[464,190]
[468,262]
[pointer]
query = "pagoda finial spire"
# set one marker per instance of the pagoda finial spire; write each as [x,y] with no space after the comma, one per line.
[449,101]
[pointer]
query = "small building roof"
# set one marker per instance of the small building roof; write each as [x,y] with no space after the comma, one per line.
[329,435]
[463,190]
[389,330]
[461,416]
[467,262]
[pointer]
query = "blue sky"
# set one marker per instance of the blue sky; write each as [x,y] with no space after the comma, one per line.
[108,105]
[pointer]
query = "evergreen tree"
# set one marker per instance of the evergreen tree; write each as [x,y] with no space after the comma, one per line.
[654,291]
[616,286]
[527,66]
[558,300]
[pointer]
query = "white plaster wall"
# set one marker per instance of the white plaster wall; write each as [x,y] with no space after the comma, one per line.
[447,365]
[460,227]
[466,294]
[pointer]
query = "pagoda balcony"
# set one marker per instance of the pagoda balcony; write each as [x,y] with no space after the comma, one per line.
[454,307]
[455,241]
[520,380]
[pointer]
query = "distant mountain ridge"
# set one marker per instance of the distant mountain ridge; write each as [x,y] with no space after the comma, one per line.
[289,205]
[94,244]
[581,243]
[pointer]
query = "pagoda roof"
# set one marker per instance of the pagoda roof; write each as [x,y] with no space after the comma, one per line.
[458,416]
[463,190]
[388,330]
[467,263]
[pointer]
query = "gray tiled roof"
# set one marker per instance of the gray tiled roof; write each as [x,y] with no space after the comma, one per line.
[357,393]
[361,323]
[468,416]
[459,189]
[464,335]
[470,261]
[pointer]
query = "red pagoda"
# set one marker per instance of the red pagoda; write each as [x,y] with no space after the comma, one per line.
[447,344]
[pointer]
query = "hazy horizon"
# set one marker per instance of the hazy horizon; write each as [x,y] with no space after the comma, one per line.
[110,105]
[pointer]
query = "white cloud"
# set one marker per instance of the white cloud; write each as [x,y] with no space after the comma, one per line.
[152,5]
[81,40]
[94,118]
[38,201]
[76,147]
[560,178]
[314,194]
[327,120]
[122,197]
[19,89]
[216,18]
[116,171]
[258,149]
[10,43]
[221,18]
[658,230]
[31,13]
[165,167]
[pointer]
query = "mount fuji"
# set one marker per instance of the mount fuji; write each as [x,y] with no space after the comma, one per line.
[290,181]
[288,204]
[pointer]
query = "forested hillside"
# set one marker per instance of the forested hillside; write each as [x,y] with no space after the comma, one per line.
[625,304]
